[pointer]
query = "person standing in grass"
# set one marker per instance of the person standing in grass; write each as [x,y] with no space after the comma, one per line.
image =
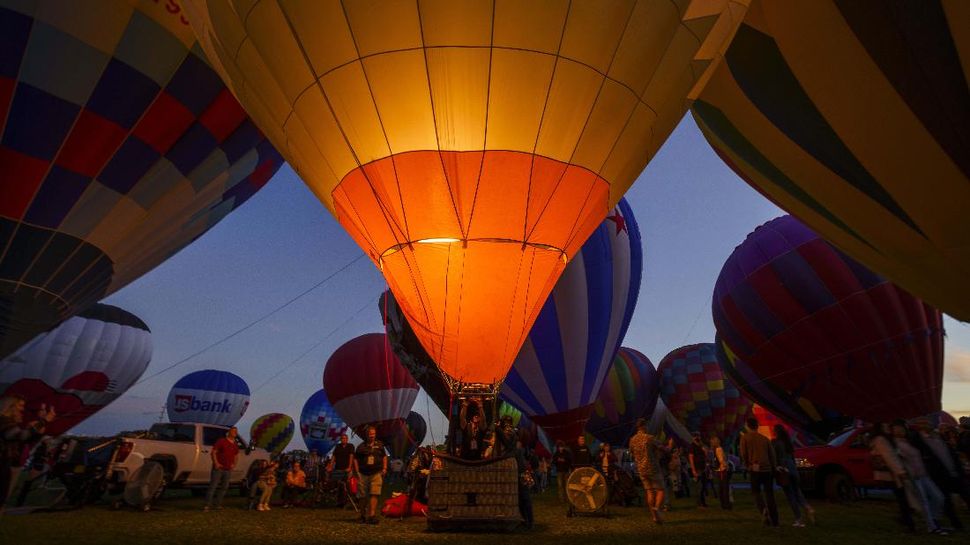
[266,484]
[697,456]
[14,435]
[562,460]
[645,450]
[224,454]
[785,458]
[887,467]
[370,464]
[927,494]
[723,472]
[942,464]
[759,457]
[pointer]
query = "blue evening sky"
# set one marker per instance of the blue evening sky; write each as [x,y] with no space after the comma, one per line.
[692,212]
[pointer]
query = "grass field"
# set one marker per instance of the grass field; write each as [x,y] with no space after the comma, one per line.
[179,519]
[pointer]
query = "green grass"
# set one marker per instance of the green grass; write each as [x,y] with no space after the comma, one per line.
[179,519]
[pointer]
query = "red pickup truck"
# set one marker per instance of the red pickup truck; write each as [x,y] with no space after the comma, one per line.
[838,468]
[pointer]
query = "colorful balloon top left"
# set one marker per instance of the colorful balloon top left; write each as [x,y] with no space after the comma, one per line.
[119,146]
[208,397]
[80,366]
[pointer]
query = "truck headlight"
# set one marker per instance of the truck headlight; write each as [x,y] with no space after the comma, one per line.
[803,463]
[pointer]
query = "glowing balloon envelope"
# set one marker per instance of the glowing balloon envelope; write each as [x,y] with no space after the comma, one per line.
[808,319]
[699,395]
[80,366]
[119,146]
[272,432]
[468,147]
[208,397]
[834,109]
[320,424]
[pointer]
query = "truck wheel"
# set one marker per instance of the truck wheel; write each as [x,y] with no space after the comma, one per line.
[838,487]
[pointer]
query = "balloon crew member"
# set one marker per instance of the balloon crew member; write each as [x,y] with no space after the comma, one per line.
[562,460]
[759,457]
[697,458]
[224,454]
[15,435]
[581,454]
[472,432]
[370,464]
[526,483]
[420,469]
[646,453]
[340,466]
[505,437]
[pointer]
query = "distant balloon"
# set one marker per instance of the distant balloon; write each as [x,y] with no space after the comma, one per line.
[208,397]
[119,147]
[832,109]
[815,422]
[630,392]
[80,366]
[320,425]
[806,318]
[367,384]
[272,432]
[406,437]
[561,367]
[699,395]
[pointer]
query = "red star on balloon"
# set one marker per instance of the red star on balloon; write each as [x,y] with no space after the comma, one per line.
[620,222]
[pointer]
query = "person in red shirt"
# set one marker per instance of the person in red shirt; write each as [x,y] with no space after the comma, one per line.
[224,455]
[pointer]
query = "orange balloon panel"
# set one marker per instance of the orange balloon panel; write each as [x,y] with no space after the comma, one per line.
[469,147]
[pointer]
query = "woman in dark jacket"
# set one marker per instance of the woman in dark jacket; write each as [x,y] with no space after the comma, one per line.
[15,435]
[785,457]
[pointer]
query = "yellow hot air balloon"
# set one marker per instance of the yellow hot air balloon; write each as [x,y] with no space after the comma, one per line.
[855,117]
[469,147]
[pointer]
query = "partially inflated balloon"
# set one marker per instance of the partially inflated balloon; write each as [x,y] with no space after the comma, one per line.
[810,320]
[468,147]
[320,425]
[272,432]
[855,117]
[208,397]
[406,437]
[119,146]
[561,367]
[698,394]
[367,384]
[816,422]
[630,392]
[80,366]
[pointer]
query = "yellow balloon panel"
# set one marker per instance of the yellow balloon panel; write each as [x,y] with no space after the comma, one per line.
[856,121]
[469,147]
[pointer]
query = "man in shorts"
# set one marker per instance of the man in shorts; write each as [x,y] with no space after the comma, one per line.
[646,452]
[370,465]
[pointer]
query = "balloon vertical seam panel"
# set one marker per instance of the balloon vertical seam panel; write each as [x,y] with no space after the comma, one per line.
[120,146]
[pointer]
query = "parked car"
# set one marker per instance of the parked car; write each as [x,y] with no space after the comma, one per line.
[836,469]
[183,450]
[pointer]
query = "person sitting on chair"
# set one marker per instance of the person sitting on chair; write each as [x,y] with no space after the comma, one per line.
[295,485]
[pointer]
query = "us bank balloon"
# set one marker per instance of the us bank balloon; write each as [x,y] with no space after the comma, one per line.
[470,148]
[208,397]
[118,146]
[855,117]
[80,366]
[807,318]
[320,425]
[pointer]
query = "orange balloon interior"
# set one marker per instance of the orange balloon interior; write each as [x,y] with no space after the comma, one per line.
[471,244]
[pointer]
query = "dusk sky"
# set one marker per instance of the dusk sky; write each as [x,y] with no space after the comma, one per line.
[692,211]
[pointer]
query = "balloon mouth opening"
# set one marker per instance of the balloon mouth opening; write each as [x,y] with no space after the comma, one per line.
[464,242]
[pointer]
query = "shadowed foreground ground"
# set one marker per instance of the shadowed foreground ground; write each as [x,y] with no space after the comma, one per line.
[179,519]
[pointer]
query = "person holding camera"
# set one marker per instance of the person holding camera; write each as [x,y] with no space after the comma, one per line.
[15,435]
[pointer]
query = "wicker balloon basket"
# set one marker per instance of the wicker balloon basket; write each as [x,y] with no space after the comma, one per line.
[473,495]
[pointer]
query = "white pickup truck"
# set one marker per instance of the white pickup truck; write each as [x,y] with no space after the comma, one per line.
[183,449]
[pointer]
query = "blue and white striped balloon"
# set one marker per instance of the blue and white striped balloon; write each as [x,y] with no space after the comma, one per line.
[569,350]
[208,397]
